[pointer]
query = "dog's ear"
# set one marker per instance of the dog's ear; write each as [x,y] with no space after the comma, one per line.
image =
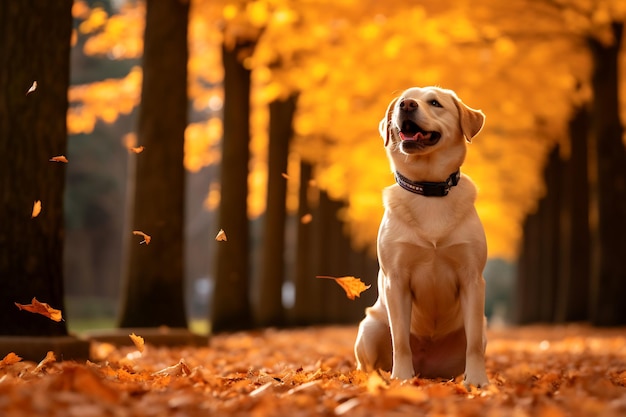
[383,126]
[472,121]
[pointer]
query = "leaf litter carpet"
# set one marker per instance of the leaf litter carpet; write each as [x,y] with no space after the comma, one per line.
[534,371]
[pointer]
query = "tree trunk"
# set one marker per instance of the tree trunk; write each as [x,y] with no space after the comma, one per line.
[155,278]
[332,257]
[270,310]
[34,46]
[572,302]
[609,279]
[550,212]
[528,276]
[231,306]
[307,309]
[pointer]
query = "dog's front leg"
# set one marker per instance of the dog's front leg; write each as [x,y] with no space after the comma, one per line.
[473,305]
[399,309]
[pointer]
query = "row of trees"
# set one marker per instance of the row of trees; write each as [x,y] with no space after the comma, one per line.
[571,265]
[301,62]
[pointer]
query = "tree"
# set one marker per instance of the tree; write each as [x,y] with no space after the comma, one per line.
[231,305]
[307,309]
[34,46]
[573,298]
[270,308]
[154,280]
[609,280]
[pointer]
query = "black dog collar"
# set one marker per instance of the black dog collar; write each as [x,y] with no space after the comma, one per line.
[429,189]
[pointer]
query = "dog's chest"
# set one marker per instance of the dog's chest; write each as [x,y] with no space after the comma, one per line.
[422,220]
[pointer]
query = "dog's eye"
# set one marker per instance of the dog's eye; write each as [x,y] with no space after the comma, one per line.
[435,103]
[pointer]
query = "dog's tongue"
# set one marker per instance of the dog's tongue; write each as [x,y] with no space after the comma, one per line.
[415,137]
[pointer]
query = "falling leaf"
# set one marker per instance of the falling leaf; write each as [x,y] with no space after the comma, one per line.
[45,362]
[10,359]
[221,236]
[146,238]
[138,341]
[60,158]
[137,149]
[351,285]
[32,88]
[41,308]
[285,176]
[36,209]
[306,219]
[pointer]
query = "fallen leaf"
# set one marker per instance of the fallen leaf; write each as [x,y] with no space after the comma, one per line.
[306,219]
[32,88]
[60,158]
[146,238]
[376,383]
[137,149]
[36,209]
[347,406]
[179,369]
[44,309]
[10,359]
[285,176]
[138,341]
[262,389]
[87,382]
[45,362]
[221,236]
[351,285]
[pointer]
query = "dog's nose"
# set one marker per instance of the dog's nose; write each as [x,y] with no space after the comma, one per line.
[408,104]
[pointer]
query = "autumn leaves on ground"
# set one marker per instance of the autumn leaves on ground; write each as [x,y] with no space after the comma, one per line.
[536,371]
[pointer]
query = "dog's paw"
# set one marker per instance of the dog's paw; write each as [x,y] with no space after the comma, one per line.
[402,374]
[478,380]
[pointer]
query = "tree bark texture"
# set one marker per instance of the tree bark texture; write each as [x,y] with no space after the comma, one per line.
[270,310]
[231,304]
[34,46]
[609,278]
[307,308]
[154,293]
[573,294]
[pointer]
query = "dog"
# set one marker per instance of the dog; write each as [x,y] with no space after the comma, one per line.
[429,318]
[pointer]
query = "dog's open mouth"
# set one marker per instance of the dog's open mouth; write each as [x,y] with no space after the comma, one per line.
[412,132]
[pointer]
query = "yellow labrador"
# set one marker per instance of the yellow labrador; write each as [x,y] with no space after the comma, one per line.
[429,316]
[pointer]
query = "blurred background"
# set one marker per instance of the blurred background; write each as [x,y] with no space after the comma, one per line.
[318,76]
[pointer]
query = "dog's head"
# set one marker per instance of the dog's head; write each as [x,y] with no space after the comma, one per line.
[424,119]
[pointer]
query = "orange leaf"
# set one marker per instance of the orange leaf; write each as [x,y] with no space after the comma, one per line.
[10,359]
[36,209]
[41,308]
[60,158]
[351,285]
[180,369]
[221,236]
[285,176]
[32,88]
[138,149]
[138,341]
[306,219]
[146,238]
[44,363]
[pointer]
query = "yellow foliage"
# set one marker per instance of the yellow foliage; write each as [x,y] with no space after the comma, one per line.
[201,140]
[104,100]
[120,36]
[95,20]
[347,60]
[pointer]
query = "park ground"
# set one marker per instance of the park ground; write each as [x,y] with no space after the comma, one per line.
[534,371]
